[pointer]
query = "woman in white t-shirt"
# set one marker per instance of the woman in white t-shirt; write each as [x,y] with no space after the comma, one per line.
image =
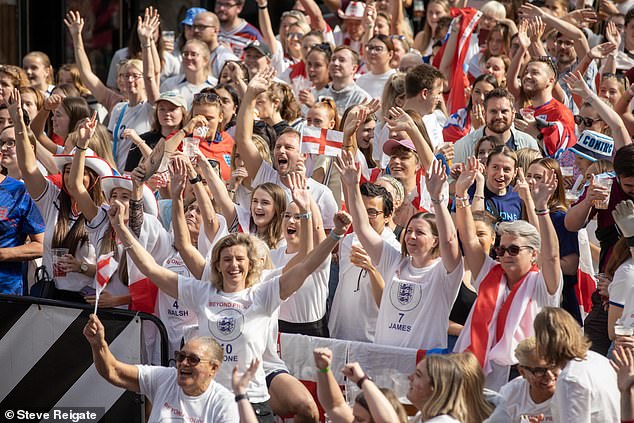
[436,389]
[378,54]
[586,387]
[422,279]
[234,309]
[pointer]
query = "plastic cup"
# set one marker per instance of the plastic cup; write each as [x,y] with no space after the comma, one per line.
[190,146]
[567,171]
[571,196]
[603,181]
[620,330]
[58,271]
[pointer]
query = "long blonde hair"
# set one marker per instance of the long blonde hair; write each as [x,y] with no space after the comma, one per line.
[447,389]
[559,337]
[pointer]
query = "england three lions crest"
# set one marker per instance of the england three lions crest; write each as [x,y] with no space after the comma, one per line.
[228,326]
[405,296]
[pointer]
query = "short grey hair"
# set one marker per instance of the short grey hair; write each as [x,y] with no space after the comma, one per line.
[522,229]
[212,346]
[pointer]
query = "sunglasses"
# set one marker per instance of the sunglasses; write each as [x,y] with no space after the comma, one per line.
[585,121]
[206,96]
[513,250]
[323,47]
[539,371]
[193,359]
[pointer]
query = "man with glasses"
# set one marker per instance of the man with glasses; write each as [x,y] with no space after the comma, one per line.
[342,88]
[205,28]
[355,306]
[529,395]
[188,391]
[235,31]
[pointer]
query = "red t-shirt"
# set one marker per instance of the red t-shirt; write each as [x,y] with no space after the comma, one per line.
[560,134]
[219,151]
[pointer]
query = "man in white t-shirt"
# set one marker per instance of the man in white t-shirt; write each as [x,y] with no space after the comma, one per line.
[188,391]
[355,308]
[206,27]
[529,395]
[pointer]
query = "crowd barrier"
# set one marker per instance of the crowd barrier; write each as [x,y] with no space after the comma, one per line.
[46,363]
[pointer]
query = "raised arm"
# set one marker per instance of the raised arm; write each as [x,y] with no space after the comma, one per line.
[578,86]
[75,24]
[264,22]
[312,9]
[512,81]
[146,27]
[293,279]
[218,190]
[207,211]
[436,182]
[360,258]
[39,122]
[398,17]
[240,383]
[304,201]
[473,253]
[193,259]
[450,50]
[328,392]
[623,363]
[120,374]
[380,408]
[399,120]
[523,189]
[76,186]
[549,254]
[164,279]
[350,177]
[244,130]
[33,178]
[578,215]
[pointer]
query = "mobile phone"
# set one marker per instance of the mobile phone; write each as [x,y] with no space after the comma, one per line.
[87,291]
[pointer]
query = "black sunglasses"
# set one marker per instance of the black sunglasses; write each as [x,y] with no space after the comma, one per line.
[539,371]
[206,96]
[585,121]
[193,359]
[513,250]
[323,47]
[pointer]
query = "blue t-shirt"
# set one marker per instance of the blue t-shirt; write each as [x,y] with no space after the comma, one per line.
[19,218]
[507,207]
[568,241]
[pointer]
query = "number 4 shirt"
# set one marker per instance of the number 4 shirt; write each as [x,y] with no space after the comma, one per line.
[416,302]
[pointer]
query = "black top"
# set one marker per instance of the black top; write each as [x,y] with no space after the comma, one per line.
[462,305]
[134,156]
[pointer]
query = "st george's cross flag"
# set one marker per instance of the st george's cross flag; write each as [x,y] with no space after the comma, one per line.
[106,266]
[321,141]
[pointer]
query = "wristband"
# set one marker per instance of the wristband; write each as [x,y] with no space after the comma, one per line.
[195,180]
[81,148]
[326,370]
[542,212]
[363,379]
[465,198]
[241,397]
[481,197]
[438,200]
[335,236]
[305,216]
[630,241]
[264,6]
[127,247]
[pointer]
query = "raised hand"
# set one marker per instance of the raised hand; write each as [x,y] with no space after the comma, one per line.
[623,215]
[371,106]
[398,120]
[612,34]
[94,331]
[261,81]
[601,51]
[355,119]
[521,186]
[178,175]
[301,195]
[467,176]
[148,24]
[14,105]
[477,116]
[576,84]
[623,363]
[536,28]
[86,130]
[360,258]
[350,175]
[138,174]
[544,189]
[74,22]
[595,193]
[342,222]
[522,34]
[435,179]
[306,97]
[323,357]
[528,11]
[52,102]
[583,17]
[353,371]
[240,383]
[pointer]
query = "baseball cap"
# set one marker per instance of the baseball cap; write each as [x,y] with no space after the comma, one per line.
[173,97]
[260,47]
[191,14]
[391,144]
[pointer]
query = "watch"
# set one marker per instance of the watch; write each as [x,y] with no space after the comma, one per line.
[83,267]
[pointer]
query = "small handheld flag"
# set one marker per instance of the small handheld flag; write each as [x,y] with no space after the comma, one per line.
[106,266]
[321,141]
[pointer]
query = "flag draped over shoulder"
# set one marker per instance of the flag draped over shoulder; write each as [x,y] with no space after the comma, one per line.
[459,81]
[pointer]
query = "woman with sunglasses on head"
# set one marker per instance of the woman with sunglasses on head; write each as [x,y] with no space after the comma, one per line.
[422,279]
[134,107]
[511,292]
[238,304]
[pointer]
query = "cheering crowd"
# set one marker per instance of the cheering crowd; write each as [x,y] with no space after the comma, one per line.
[460,184]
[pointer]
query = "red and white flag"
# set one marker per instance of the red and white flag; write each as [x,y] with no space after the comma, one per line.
[106,266]
[586,284]
[321,141]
